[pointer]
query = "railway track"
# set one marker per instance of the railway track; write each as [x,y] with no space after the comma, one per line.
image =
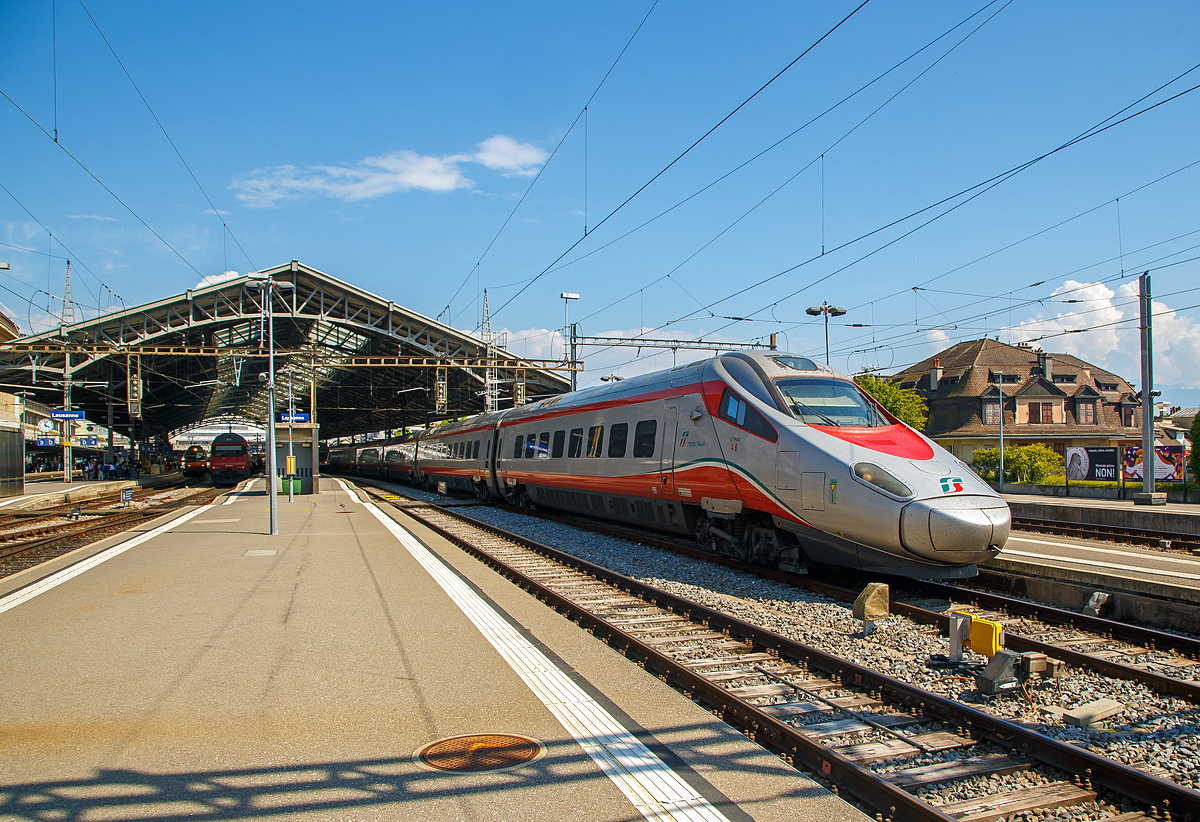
[21,525]
[1110,648]
[906,752]
[1138,536]
[60,535]
[1166,662]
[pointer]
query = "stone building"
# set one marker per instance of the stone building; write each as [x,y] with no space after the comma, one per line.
[1056,399]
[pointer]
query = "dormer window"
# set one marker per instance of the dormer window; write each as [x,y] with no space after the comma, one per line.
[1085,413]
[991,412]
[1064,378]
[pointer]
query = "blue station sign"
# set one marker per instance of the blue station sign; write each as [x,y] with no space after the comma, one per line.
[66,415]
[297,417]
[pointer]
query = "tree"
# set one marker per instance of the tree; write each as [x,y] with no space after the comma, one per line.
[905,403]
[1032,463]
[986,462]
[1194,460]
[1022,463]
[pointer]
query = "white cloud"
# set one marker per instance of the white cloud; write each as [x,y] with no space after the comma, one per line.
[213,279]
[938,339]
[1112,346]
[505,154]
[387,174]
[98,217]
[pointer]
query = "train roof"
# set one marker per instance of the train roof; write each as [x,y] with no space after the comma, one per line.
[762,366]
[229,437]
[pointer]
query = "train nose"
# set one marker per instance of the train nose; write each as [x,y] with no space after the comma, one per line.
[955,529]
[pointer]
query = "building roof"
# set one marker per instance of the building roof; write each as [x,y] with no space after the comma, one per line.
[373,364]
[970,370]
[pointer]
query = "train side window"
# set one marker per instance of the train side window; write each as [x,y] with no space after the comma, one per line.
[595,440]
[475,451]
[530,446]
[643,438]
[735,410]
[518,444]
[576,447]
[543,451]
[617,435]
[560,439]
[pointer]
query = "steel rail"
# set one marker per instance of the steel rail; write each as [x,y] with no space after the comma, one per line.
[1141,536]
[1133,634]
[1181,803]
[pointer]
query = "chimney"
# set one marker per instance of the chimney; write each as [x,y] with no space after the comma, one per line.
[935,375]
[1046,363]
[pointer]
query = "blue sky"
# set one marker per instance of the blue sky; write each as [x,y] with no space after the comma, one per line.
[387,144]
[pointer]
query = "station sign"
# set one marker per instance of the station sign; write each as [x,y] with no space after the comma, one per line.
[297,417]
[67,415]
[47,441]
[89,442]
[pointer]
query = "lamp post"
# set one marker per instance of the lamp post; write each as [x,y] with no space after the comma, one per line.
[1000,389]
[828,310]
[567,296]
[267,284]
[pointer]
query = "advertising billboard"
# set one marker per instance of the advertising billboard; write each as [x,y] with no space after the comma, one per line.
[1092,464]
[1168,463]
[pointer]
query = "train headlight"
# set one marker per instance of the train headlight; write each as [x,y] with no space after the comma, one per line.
[880,479]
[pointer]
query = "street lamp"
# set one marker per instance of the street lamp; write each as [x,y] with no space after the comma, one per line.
[828,310]
[567,296]
[266,284]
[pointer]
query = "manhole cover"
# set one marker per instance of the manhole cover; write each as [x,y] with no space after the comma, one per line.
[480,752]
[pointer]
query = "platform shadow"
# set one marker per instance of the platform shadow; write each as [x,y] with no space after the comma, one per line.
[336,788]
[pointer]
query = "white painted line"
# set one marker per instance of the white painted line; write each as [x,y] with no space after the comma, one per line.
[1141,569]
[655,790]
[260,552]
[54,580]
[239,492]
[353,496]
[232,519]
[1145,552]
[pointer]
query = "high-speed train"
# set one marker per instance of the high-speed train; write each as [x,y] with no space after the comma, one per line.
[773,458]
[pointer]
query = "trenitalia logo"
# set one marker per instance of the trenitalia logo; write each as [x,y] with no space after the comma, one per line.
[951,485]
[683,439]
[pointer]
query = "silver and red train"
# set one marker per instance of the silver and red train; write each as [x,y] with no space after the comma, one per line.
[773,458]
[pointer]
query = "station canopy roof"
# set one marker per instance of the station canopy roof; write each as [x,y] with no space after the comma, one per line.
[372,365]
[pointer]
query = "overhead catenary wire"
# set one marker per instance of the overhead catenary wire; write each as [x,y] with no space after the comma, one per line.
[101,183]
[215,210]
[978,189]
[683,154]
[50,255]
[810,122]
[533,182]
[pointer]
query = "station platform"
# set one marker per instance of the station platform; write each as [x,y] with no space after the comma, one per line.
[50,492]
[1158,588]
[1176,517]
[201,668]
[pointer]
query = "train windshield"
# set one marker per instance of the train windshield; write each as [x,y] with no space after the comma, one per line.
[235,449]
[829,402]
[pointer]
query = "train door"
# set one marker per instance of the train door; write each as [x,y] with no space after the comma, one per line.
[666,457]
[489,460]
